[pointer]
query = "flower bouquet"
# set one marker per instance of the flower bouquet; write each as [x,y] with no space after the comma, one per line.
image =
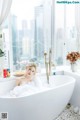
[73,57]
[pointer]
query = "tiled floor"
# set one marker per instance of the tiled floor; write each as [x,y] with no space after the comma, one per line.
[69,114]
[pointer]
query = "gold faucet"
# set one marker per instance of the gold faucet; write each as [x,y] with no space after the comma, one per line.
[48,64]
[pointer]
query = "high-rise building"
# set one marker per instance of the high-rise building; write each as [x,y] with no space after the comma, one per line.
[39,40]
[14,38]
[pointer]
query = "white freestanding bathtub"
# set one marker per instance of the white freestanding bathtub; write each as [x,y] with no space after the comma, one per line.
[44,105]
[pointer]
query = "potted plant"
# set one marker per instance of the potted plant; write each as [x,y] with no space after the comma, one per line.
[1,53]
[1,61]
[73,57]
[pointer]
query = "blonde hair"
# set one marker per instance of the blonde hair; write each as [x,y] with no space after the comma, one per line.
[32,65]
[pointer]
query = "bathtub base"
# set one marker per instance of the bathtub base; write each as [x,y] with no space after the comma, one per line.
[42,106]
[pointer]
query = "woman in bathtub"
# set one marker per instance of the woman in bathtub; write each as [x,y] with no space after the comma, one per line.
[29,75]
[27,84]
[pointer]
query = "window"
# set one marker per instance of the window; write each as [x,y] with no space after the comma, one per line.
[34,27]
[29,26]
[66,20]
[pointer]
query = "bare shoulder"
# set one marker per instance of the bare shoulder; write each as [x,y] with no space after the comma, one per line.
[19,81]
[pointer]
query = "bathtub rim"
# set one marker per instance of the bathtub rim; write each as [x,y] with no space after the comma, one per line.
[7,79]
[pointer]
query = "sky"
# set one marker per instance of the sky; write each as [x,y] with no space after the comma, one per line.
[24,8]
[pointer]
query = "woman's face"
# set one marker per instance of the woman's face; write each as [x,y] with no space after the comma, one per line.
[30,71]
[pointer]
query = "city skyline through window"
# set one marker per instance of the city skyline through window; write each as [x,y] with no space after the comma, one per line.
[29,34]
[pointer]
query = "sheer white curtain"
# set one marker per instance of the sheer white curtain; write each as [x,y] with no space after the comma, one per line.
[4,9]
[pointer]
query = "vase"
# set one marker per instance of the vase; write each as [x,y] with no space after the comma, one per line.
[74,67]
